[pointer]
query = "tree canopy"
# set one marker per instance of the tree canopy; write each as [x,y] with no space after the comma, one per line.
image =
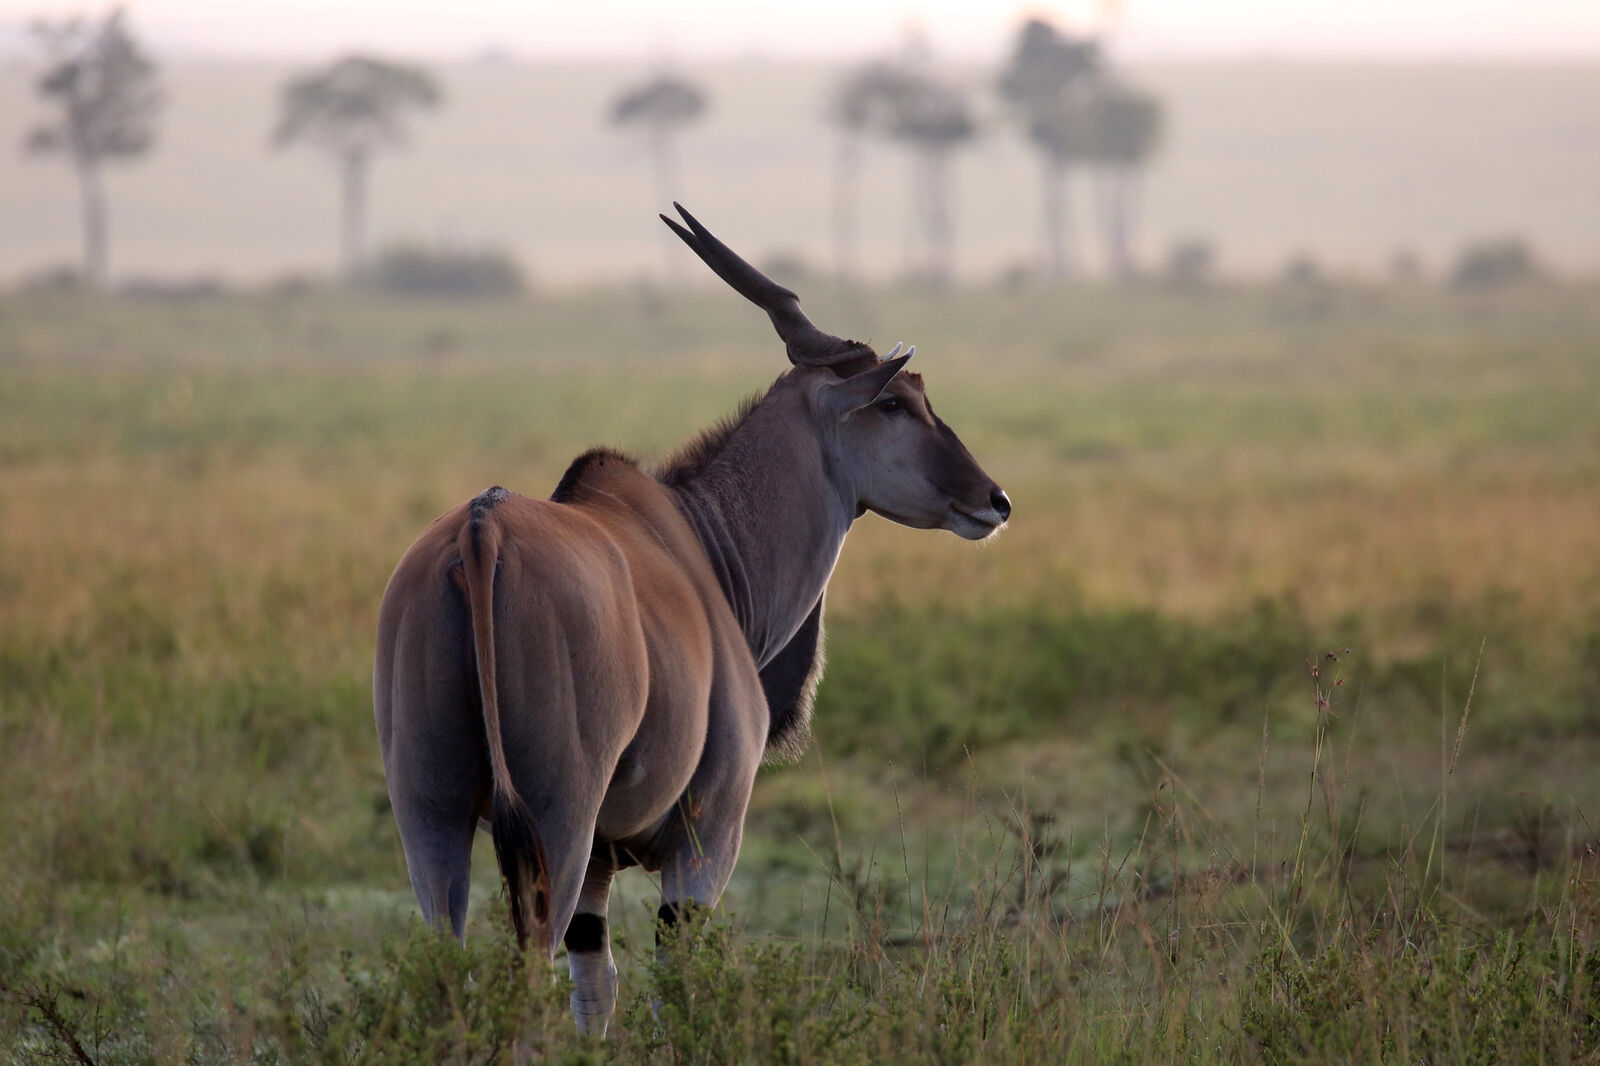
[1125,124]
[106,89]
[353,105]
[664,102]
[1044,66]
[931,116]
[869,97]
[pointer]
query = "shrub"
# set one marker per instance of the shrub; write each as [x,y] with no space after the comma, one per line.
[413,270]
[1302,269]
[175,290]
[1190,262]
[1494,264]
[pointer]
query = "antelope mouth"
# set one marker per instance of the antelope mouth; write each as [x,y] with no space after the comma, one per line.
[975,525]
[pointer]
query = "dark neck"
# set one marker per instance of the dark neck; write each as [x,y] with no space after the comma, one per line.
[771,519]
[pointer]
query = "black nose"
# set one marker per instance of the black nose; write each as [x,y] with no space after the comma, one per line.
[1001,502]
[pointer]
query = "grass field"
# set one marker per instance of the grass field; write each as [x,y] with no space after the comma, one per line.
[1266,734]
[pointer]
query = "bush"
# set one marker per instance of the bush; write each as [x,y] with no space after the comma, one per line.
[1405,266]
[1302,269]
[62,278]
[175,290]
[1494,264]
[412,270]
[897,685]
[1190,262]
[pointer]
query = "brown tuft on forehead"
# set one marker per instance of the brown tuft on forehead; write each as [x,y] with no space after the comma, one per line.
[912,378]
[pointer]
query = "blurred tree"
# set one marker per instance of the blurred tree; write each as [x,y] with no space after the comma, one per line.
[865,102]
[106,89]
[661,107]
[1125,126]
[1043,85]
[351,109]
[932,120]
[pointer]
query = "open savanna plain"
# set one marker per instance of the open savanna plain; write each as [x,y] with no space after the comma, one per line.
[1267,733]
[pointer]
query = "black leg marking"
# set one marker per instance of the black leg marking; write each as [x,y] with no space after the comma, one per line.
[688,914]
[587,933]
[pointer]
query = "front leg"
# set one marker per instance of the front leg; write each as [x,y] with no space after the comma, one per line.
[708,825]
[710,814]
[698,870]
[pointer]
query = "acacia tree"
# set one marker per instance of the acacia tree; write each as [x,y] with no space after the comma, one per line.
[1125,128]
[932,120]
[352,109]
[865,102]
[105,87]
[661,107]
[1044,86]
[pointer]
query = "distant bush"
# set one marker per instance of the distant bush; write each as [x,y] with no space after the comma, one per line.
[1015,276]
[1494,264]
[414,270]
[52,279]
[1302,269]
[1190,262]
[1405,266]
[292,285]
[199,287]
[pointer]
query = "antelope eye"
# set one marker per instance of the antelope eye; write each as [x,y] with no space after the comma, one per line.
[891,405]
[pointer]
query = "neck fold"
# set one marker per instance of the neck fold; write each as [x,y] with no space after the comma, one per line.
[771,522]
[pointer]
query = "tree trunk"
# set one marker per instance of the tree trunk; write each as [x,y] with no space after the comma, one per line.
[1057,218]
[94,222]
[664,170]
[353,217]
[1125,217]
[1116,210]
[912,252]
[937,217]
[1100,195]
[846,196]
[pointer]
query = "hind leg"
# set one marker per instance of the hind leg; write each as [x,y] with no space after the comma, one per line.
[426,709]
[437,786]
[439,859]
[588,940]
[711,811]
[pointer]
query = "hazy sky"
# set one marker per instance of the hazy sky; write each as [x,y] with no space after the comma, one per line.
[691,29]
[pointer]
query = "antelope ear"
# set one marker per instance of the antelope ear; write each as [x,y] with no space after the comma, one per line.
[857,391]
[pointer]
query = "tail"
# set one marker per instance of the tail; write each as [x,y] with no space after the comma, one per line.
[517,845]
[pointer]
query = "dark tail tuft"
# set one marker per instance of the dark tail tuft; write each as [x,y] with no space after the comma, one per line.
[522,863]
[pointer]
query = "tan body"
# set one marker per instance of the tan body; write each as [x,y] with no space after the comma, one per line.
[598,675]
[618,665]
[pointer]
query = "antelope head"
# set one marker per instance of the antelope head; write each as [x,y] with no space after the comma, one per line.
[877,429]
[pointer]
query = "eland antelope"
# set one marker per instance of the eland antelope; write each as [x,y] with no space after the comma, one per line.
[598,675]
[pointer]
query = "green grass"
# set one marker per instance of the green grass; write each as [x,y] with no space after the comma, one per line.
[1075,796]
